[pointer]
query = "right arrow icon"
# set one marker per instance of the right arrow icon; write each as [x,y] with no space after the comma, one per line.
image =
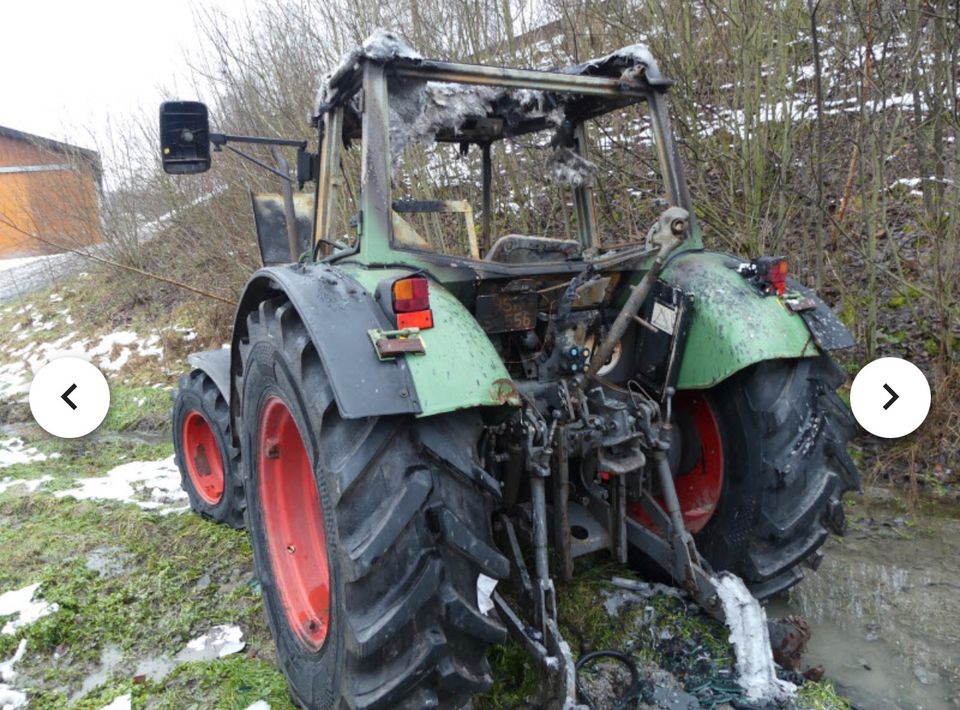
[893,396]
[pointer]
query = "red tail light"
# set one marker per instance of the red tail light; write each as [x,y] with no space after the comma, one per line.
[776,276]
[411,303]
[768,273]
[411,295]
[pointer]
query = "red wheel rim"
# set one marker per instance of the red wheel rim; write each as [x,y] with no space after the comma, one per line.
[293,521]
[202,455]
[699,488]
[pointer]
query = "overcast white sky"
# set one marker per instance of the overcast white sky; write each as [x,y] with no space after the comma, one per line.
[66,68]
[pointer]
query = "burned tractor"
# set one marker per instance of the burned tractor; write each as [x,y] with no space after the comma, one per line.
[412,412]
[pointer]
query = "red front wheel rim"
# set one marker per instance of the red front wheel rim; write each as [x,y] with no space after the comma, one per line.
[294,526]
[698,488]
[202,457]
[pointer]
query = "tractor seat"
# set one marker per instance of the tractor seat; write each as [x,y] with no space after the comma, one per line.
[523,249]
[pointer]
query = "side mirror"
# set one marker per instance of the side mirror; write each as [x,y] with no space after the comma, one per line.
[184,137]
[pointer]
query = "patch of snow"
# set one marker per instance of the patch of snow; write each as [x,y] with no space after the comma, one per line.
[20,604]
[10,697]
[31,484]
[121,702]
[751,641]
[111,353]
[127,483]
[13,452]
[259,705]
[567,168]
[188,333]
[14,382]
[7,674]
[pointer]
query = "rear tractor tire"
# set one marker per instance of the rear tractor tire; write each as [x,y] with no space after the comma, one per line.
[208,461]
[763,468]
[368,535]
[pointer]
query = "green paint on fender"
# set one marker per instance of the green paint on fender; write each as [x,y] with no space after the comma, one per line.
[460,368]
[733,324]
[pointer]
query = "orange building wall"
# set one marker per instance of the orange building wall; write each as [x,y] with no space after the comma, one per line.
[60,206]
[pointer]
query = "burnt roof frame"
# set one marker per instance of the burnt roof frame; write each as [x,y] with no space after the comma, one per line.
[623,86]
[601,89]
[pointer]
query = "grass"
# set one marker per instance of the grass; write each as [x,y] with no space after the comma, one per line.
[138,408]
[821,696]
[171,578]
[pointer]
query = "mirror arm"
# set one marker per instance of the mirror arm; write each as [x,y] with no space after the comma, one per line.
[257,162]
[221,139]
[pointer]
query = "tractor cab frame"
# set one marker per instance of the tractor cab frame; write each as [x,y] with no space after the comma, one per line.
[355,104]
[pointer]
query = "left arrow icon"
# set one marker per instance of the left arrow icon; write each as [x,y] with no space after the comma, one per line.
[66,396]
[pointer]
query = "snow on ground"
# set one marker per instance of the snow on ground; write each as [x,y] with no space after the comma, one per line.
[28,351]
[31,484]
[13,451]
[121,702]
[751,642]
[13,381]
[10,697]
[159,481]
[21,605]
[110,352]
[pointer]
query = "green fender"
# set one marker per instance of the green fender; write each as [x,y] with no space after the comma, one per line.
[733,325]
[460,368]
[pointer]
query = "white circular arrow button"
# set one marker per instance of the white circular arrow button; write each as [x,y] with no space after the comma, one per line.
[890,397]
[69,397]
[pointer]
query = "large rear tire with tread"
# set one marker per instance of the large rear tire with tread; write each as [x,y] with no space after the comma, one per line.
[784,433]
[404,528]
[762,470]
[209,463]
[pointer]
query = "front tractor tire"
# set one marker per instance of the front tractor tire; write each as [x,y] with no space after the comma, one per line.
[368,535]
[762,489]
[208,461]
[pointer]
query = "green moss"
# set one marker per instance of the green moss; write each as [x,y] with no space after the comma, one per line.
[821,696]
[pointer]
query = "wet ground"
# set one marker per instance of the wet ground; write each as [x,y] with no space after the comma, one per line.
[884,608]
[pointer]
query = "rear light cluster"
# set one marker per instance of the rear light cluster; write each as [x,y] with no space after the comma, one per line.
[769,273]
[411,303]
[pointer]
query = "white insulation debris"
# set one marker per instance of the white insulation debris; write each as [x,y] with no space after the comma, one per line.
[382,45]
[420,110]
[485,587]
[218,642]
[751,641]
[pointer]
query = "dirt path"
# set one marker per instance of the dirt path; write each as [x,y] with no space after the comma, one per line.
[21,277]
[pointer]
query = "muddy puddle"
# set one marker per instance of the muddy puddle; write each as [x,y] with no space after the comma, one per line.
[884,608]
